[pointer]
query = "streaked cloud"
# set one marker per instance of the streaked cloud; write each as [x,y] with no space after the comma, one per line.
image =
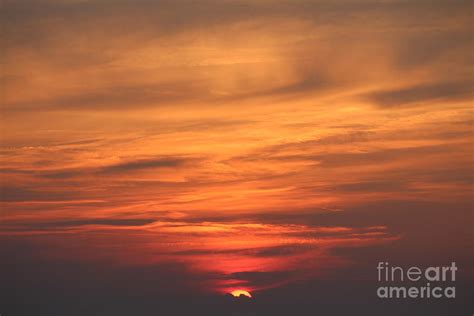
[236,143]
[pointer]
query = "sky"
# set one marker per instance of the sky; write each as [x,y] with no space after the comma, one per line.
[160,154]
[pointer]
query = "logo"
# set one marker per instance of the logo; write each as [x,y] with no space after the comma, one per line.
[430,282]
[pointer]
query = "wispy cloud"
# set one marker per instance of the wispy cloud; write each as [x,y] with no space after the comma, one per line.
[421,94]
[250,143]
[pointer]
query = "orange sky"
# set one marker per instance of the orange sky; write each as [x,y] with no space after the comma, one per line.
[209,132]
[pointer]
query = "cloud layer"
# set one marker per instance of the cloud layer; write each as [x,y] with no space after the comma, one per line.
[255,144]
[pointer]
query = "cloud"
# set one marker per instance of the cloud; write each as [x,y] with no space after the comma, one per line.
[153,54]
[10,193]
[129,166]
[68,192]
[263,279]
[341,159]
[373,186]
[118,98]
[256,254]
[213,144]
[421,94]
[64,226]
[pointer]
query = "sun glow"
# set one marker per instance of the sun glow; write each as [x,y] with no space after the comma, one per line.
[238,293]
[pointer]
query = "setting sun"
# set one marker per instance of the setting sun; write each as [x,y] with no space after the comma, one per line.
[239,293]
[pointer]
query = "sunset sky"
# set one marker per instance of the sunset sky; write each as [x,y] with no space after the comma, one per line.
[170,149]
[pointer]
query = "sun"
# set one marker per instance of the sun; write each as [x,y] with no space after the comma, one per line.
[238,293]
